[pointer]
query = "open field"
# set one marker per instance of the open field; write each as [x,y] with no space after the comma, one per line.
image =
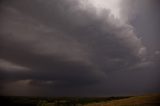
[152,100]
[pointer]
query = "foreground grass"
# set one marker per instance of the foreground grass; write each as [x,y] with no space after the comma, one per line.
[151,100]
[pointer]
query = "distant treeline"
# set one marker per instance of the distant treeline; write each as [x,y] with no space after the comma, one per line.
[52,101]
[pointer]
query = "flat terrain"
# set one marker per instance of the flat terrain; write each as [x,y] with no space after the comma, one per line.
[53,101]
[147,100]
[151,100]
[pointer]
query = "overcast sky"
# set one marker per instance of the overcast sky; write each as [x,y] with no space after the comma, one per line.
[79,47]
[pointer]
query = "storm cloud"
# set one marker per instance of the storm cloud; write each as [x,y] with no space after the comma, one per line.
[69,47]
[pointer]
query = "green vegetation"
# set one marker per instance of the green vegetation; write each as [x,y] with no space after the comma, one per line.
[51,101]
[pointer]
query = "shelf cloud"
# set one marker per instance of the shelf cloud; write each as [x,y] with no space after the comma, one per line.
[70,47]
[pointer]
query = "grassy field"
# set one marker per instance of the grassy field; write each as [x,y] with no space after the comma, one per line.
[151,100]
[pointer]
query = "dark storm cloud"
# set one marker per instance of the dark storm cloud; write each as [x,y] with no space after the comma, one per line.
[144,17]
[60,45]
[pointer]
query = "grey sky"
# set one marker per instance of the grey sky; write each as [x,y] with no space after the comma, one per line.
[73,48]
